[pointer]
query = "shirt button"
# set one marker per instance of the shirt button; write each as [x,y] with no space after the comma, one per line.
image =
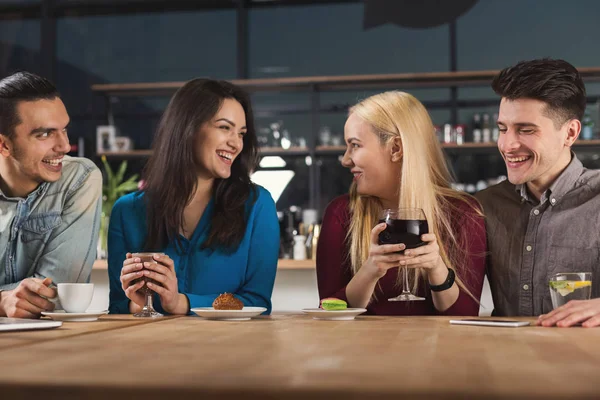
[526,287]
[553,201]
[536,212]
[528,248]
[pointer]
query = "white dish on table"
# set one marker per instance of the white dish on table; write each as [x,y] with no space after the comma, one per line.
[244,314]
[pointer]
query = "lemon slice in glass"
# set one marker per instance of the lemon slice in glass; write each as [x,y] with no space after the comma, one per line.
[568,287]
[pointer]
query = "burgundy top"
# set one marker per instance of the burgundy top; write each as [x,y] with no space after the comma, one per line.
[334,271]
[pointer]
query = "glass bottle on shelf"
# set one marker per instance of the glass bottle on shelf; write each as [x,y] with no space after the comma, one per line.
[276,134]
[299,247]
[477,128]
[325,136]
[460,134]
[486,131]
[447,133]
[316,231]
[286,141]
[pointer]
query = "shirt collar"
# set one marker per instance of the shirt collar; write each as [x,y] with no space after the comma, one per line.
[560,187]
[39,191]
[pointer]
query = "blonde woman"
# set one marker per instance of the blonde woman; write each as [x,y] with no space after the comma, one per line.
[397,162]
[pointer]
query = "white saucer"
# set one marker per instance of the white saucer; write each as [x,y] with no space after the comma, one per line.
[334,315]
[229,315]
[87,316]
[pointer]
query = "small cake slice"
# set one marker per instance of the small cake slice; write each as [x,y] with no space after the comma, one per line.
[333,304]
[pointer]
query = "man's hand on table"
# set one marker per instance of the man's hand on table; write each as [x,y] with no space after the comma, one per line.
[586,312]
[27,300]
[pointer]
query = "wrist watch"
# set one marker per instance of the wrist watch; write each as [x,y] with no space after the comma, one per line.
[447,283]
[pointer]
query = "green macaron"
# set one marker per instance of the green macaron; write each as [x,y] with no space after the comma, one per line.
[333,304]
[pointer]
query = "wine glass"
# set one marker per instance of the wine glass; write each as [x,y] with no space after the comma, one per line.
[148,311]
[404,225]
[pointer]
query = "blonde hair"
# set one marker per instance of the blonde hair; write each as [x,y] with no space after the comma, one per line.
[424,183]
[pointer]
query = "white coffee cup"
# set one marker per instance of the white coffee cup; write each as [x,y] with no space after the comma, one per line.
[75,297]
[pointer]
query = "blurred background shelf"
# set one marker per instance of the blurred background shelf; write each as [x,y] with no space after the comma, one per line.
[339,150]
[282,264]
[326,83]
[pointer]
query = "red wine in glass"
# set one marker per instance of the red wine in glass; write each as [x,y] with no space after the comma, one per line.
[408,232]
[404,225]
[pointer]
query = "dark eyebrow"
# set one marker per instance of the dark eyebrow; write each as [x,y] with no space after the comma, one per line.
[526,125]
[229,122]
[42,129]
[521,124]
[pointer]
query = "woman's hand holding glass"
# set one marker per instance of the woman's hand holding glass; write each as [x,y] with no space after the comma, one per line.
[426,257]
[132,270]
[382,257]
[163,272]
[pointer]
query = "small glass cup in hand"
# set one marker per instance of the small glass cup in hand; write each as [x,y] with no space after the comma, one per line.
[148,311]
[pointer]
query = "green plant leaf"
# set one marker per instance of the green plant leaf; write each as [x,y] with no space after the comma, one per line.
[114,187]
[126,187]
[121,172]
[109,173]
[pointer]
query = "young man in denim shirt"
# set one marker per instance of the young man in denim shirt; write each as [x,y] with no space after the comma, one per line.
[49,202]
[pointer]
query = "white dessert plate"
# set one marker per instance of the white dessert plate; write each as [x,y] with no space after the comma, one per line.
[334,315]
[228,315]
[87,316]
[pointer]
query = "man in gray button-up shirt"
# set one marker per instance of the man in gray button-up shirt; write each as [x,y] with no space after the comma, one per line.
[545,219]
[49,202]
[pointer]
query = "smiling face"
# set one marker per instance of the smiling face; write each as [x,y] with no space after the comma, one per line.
[375,168]
[535,151]
[220,140]
[35,152]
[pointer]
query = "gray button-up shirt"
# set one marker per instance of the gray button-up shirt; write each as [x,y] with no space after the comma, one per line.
[53,232]
[528,241]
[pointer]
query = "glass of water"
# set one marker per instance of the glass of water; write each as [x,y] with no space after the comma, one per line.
[567,286]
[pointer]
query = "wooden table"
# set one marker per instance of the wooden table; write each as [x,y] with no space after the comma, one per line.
[293,356]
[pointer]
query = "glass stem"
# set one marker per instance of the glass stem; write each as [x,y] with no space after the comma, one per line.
[405,272]
[149,305]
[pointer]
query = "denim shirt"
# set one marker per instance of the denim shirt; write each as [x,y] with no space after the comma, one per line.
[53,232]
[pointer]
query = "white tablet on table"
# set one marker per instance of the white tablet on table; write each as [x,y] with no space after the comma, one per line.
[489,322]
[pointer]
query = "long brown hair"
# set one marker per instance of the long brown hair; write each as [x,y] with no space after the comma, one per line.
[424,183]
[171,177]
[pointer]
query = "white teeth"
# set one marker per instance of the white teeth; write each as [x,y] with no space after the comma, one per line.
[224,155]
[54,161]
[517,159]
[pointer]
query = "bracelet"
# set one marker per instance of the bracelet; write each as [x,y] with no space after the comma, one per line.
[447,283]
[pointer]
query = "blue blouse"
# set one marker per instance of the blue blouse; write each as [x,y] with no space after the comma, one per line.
[203,274]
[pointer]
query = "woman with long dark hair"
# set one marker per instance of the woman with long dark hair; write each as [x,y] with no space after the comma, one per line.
[218,231]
